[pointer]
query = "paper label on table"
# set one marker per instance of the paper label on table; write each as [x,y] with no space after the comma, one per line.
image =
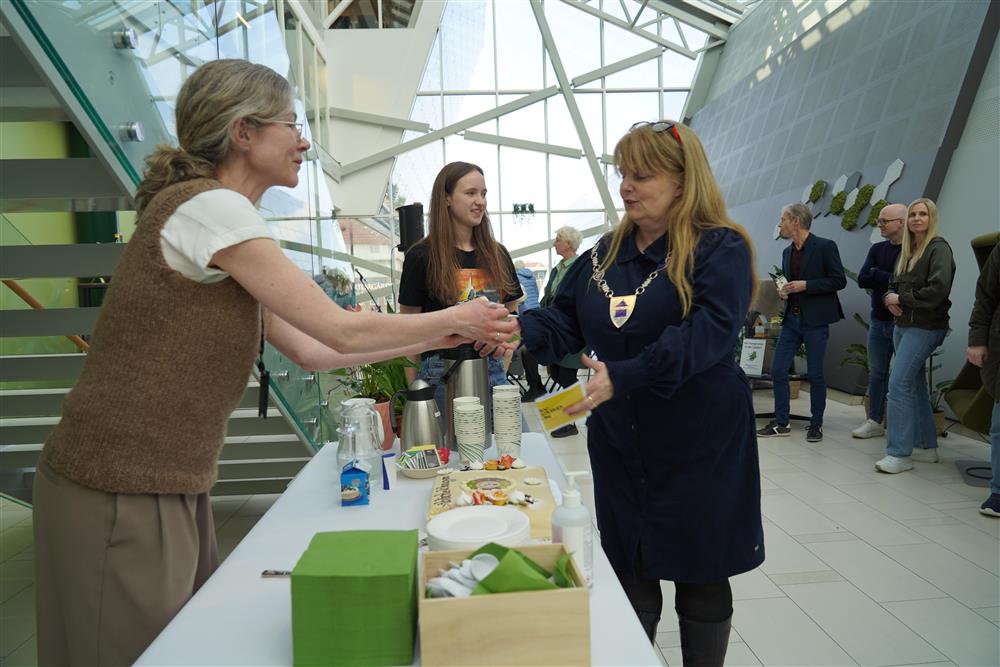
[552,408]
[752,356]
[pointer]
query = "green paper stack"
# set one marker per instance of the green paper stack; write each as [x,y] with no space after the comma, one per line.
[354,599]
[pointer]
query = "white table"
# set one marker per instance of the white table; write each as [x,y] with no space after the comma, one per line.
[240,618]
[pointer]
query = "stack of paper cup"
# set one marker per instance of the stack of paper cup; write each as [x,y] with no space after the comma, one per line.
[507,419]
[470,431]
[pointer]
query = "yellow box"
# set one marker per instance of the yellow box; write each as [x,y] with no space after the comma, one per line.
[531,628]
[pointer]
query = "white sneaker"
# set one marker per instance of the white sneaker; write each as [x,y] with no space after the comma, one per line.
[870,429]
[894,464]
[925,455]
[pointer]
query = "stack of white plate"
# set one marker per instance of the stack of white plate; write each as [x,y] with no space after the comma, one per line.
[470,431]
[472,527]
[507,419]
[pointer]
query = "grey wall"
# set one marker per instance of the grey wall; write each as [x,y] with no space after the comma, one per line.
[868,83]
[969,204]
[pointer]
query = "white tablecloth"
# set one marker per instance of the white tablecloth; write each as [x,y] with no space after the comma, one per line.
[240,618]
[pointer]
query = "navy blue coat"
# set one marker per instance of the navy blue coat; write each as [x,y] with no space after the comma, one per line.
[824,275]
[673,453]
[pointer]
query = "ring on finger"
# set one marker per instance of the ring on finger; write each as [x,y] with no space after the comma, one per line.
[591,399]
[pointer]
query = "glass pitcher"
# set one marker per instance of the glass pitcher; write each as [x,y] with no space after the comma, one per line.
[370,404]
[359,432]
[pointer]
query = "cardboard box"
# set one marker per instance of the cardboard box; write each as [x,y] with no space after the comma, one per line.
[354,599]
[531,628]
[354,485]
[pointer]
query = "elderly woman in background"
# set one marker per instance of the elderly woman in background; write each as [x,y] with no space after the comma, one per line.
[918,299]
[566,245]
[122,518]
[661,300]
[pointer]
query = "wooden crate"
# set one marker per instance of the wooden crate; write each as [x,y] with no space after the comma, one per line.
[531,628]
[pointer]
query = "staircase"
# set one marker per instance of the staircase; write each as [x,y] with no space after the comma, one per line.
[38,194]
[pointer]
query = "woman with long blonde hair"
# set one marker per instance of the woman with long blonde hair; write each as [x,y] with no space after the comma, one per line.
[458,260]
[661,300]
[918,298]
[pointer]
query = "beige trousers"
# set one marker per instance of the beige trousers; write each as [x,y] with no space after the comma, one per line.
[111,570]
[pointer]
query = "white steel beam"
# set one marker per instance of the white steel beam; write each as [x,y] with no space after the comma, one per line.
[624,25]
[448,130]
[336,13]
[523,144]
[545,245]
[574,110]
[706,26]
[617,67]
[378,119]
[635,18]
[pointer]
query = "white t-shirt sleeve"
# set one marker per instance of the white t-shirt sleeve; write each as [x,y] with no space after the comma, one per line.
[204,225]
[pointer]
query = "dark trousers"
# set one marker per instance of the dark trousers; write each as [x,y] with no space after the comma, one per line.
[563,376]
[705,603]
[531,369]
[794,334]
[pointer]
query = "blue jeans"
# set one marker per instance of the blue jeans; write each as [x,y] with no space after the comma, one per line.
[880,349]
[911,421]
[432,368]
[792,335]
[995,449]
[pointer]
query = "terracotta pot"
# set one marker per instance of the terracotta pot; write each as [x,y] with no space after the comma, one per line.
[383,412]
[939,422]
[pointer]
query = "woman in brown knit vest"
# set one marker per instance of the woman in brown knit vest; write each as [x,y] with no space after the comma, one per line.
[123,522]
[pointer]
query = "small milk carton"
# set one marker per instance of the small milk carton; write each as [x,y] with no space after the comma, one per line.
[354,487]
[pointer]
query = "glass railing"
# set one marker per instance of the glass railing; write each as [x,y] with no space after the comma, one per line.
[124,62]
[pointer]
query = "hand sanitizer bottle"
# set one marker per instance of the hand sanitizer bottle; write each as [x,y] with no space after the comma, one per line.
[571,525]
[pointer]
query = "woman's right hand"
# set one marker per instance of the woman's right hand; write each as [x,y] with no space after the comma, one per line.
[482,320]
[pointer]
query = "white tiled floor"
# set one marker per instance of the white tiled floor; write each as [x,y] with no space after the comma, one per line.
[862,568]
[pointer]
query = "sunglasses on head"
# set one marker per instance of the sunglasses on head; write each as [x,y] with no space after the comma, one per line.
[661,126]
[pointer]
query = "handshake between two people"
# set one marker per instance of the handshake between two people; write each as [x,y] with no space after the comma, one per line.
[489,325]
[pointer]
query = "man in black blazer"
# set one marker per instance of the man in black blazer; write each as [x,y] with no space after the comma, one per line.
[815,275]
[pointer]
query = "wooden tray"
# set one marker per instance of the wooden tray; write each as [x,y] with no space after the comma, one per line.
[447,488]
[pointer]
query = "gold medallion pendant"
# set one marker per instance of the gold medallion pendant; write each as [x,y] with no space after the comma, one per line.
[621,309]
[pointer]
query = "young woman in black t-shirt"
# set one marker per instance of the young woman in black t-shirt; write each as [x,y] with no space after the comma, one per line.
[459,260]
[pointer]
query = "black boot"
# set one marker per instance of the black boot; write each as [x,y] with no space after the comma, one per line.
[704,644]
[649,621]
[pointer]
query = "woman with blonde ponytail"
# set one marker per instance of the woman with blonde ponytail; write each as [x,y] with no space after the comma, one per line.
[122,517]
[661,301]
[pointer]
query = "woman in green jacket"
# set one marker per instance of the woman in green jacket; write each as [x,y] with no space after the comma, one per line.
[918,298]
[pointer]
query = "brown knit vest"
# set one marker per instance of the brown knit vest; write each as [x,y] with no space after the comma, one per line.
[168,363]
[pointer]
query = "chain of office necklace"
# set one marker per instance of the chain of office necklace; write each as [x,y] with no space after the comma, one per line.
[598,276]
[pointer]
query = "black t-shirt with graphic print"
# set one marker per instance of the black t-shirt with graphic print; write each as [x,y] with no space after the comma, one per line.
[473,280]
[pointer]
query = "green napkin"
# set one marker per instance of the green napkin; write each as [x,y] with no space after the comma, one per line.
[513,574]
[495,549]
[516,572]
[354,599]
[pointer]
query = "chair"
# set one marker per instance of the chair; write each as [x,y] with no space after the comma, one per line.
[569,361]
[515,372]
[967,397]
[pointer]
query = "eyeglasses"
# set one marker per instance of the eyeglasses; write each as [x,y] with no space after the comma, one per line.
[298,126]
[661,126]
[882,222]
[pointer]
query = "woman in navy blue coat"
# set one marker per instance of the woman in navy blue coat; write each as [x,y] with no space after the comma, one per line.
[671,435]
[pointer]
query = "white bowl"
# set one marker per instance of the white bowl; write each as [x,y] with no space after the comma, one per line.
[419,473]
[472,527]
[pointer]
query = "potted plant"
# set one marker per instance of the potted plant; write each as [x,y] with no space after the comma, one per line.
[378,381]
[857,355]
[936,394]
